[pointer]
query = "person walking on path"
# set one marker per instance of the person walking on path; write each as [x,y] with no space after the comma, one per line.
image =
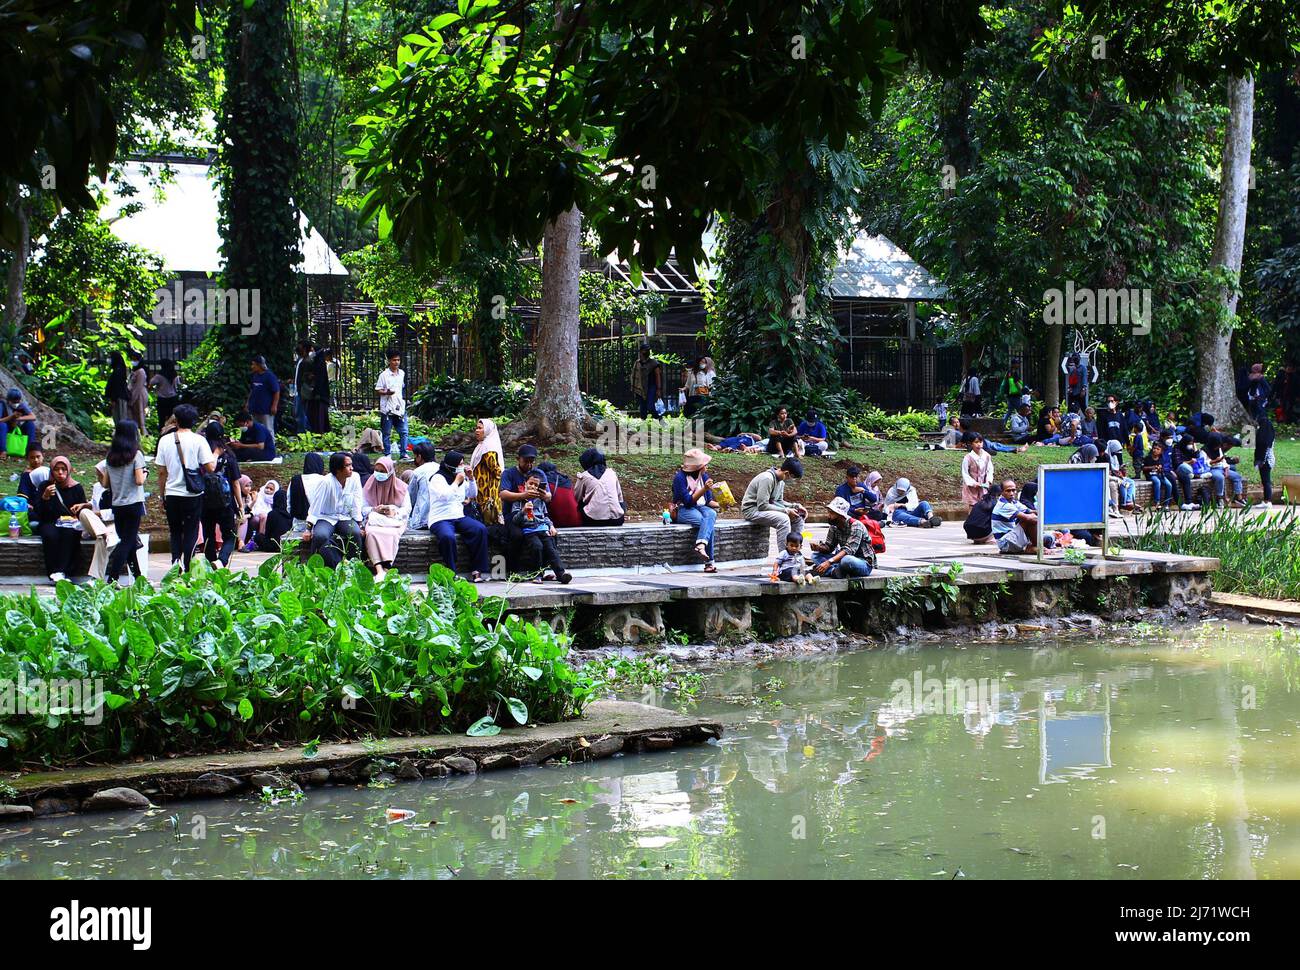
[182,457]
[263,394]
[118,390]
[123,472]
[392,405]
[694,504]
[976,472]
[302,386]
[137,396]
[166,386]
[765,503]
[224,511]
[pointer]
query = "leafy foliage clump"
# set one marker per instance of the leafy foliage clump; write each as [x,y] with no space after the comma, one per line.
[212,660]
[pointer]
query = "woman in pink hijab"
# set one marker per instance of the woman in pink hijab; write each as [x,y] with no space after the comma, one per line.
[387,507]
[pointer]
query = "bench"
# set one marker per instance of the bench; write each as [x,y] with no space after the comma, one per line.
[23,558]
[644,544]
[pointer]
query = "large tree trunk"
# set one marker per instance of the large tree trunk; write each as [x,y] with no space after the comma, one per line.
[556,410]
[49,420]
[15,303]
[1051,376]
[1217,385]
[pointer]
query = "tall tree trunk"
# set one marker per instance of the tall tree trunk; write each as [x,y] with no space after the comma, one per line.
[556,408]
[1217,385]
[15,302]
[1051,375]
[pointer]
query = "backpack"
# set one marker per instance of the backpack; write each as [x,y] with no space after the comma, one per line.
[876,534]
[216,489]
[980,521]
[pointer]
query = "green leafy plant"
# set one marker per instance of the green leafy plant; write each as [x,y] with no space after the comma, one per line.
[212,660]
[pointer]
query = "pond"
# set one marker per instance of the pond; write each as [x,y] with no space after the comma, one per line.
[1143,756]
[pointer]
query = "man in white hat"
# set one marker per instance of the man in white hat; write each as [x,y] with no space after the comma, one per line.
[846,551]
[905,507]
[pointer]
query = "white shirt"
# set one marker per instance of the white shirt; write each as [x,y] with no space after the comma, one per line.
[388,381]
[446,501]
[332,502]
[194,453]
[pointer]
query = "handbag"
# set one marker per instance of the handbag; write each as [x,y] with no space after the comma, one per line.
[193,477]
[16,444]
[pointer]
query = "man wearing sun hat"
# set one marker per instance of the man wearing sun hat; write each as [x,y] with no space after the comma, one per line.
[846,551]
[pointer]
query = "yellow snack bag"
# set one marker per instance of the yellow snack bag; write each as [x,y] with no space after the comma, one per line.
[722,492]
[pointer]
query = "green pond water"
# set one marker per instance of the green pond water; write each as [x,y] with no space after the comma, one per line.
[1163,755]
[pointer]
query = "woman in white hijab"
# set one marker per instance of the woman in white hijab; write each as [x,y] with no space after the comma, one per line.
[486,465]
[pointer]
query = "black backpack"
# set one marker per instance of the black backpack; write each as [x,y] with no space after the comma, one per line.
[216,489]
[980,521]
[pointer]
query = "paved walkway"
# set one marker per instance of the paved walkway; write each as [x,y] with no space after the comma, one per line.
[908,549]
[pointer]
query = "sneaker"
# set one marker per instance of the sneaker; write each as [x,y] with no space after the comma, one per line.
[935,522]
[56,577]
[1263,505]
[1115,514]
[249,547]
[565,577]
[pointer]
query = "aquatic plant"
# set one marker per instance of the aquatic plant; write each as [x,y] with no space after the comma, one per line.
[218,659]
[1257,555]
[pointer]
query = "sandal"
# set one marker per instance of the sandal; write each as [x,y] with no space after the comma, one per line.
[702,550]
[710,568]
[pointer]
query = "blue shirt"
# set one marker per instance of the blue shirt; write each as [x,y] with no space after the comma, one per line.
[682,491]
[817,430]
[257,433]
[857,499]
[264,387]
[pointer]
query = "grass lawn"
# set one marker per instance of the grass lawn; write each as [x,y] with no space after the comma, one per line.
[647,479]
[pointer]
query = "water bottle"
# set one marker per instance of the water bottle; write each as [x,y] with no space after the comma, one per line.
[667,516]
[15,527]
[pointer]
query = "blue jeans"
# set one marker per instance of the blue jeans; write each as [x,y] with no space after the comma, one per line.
[1162,489]
[1184,473]
[703,518]
[386,424]
[846,568]
[475,535]
[333,541]
[1052,440]
[922,513]
[998,446]
[300,414]
[1221,476]
[1127,491]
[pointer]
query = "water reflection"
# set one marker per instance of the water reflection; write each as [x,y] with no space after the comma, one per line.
[1080,760]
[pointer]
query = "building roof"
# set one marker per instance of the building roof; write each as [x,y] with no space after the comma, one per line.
[874,268]
[178,220]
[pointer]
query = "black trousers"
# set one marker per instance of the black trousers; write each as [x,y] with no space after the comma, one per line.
[225,518]
[126,519]
[538,552]
[183,514]
[61,547]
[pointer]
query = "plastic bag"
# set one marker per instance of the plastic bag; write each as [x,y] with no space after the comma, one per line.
[722,493]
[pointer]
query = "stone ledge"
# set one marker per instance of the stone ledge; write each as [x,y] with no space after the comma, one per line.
[606,728]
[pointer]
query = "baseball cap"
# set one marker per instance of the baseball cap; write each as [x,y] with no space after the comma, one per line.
[527,451]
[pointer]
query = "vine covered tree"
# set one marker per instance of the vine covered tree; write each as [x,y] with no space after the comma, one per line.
[257,168]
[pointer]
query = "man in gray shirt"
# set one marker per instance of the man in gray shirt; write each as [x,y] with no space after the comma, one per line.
[765,503]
